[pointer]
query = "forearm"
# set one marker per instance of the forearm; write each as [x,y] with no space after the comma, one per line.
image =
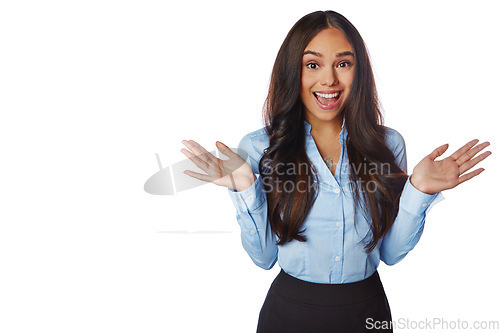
[409,223]
[257,238]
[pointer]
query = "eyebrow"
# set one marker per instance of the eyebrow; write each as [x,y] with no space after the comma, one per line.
[340,54]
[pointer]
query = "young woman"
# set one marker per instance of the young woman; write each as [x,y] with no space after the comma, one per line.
[333,196]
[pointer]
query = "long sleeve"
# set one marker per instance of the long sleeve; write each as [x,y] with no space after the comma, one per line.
[251,213]
[414,206]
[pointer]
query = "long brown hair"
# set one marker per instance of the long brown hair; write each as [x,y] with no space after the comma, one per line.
[288,206]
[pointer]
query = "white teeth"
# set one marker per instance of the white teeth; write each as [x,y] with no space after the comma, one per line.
[328,95]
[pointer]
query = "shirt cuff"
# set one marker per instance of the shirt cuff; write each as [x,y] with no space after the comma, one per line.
[417,202]
[250,199]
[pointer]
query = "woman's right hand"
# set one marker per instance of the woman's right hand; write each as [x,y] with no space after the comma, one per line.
[234,173]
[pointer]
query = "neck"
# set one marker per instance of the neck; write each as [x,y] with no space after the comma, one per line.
[326,129]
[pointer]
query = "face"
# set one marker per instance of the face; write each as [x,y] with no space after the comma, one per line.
[327,74]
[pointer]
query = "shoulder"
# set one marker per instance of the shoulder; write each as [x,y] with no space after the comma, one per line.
[257,140]
[396,143]
[252,145]
[394,139]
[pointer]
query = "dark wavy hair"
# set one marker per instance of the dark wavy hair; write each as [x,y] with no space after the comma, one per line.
[365,141]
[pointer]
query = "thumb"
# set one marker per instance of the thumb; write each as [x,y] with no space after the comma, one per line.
[224,149]
[438,151]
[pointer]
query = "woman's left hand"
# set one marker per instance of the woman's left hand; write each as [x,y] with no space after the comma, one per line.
[430,176]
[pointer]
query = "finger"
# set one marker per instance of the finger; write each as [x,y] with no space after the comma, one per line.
[467,165]
[456,155]
[199,176]
[203,165]
[225,149]
[438,151]
[469,175]
[221,168]
[471,153]
[211,158]
[198,150]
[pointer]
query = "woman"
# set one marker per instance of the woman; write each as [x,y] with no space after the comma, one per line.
[333,197]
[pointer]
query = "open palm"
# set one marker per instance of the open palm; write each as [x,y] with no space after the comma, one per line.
[234,173]
[431,176]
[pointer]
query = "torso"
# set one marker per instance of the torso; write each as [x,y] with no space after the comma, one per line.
[329,148]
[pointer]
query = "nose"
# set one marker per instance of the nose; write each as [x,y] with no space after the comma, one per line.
[329,77]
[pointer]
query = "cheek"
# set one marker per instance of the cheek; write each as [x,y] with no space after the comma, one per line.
[350,78]
[304,85]
[307,83]
[347,82]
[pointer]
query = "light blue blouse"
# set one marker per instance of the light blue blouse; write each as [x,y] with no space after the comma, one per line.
[334,250]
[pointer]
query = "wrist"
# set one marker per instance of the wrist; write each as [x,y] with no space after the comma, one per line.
[246,185]
[419,184]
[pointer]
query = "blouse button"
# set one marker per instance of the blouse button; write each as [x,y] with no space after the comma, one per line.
[337,258]
[336,190]
[339,224]
[424,204]
[252,232]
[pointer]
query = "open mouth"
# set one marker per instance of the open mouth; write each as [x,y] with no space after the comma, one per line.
[328,99]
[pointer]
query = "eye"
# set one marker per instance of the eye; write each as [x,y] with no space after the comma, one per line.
[344,64]
[311,65]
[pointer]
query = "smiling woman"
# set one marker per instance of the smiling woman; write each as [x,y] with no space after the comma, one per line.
[326,65]
[328,227]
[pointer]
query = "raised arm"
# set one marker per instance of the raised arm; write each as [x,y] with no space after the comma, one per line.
[414,206]
[251,213]
[423,190]
[246,192]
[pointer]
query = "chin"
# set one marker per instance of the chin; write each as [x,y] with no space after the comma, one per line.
[326,115]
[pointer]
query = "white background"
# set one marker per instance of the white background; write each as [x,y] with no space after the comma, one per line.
[91,90]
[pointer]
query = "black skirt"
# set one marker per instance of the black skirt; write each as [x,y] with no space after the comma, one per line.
[294,305]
